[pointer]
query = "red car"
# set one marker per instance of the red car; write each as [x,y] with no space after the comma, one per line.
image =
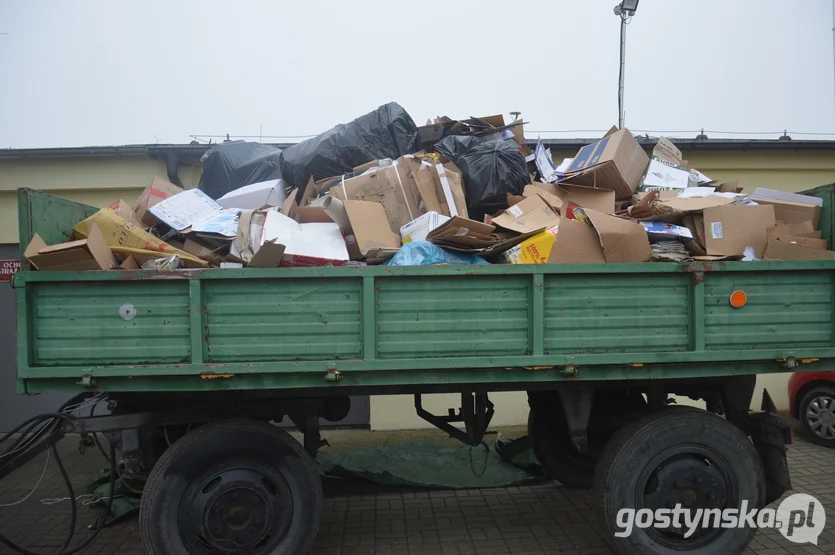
[812,401]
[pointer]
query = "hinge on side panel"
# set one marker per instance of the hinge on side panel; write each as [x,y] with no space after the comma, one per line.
[332,375]
[87,380]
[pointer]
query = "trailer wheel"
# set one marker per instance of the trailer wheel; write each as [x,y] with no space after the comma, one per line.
[237,486]
[817,415]
[678,456]
[552,447]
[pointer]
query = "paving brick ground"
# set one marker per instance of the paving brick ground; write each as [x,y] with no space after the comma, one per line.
[364,519]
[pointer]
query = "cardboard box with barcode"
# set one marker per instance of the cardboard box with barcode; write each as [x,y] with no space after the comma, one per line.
[730,229]
[790,208]
[157,191]
[91,253]
[616,162]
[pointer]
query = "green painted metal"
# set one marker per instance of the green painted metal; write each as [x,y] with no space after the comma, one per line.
[418,327]
[49,216]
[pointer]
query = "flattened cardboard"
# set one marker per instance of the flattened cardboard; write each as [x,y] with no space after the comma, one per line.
[576,243]
[306,245]
[600,200]
[475,237]
[622,240]
[729,229]
[532,214]
[666,150]
[129,263]
[91,253]
[553,200]
[268,256]
[157,191]
[370,229]
[780,250]
[810,242]
[615,162]
[800,229]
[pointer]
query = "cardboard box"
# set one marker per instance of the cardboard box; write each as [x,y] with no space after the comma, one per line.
[391,186]
[729,229]
[790,208]
[157,191]
[441,191]
[255,196]
[811,242]
[802,229]
[622,240]
[666,150]
[125,238]
[418,229]
[576,243]
[532,214]
[125,210]
[305,245]
[534,250]
[195,211]
[600,200]
[91,253]
[552,199]
[664,176]
[370,230]
[616,162]
[782,250]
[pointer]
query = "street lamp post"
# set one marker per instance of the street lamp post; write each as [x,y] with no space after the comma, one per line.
[625,10]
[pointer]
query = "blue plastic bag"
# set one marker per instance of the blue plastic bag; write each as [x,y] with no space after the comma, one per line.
[423,253]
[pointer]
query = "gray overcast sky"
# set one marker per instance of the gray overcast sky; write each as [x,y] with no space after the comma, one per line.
[100,73]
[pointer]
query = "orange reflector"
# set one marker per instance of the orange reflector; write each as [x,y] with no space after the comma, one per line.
[738,299]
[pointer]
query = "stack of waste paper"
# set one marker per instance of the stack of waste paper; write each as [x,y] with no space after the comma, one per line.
[382,190]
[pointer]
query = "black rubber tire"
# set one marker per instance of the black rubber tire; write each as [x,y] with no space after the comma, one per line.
[631,450]
[217,444]
[552,448]
[826,392]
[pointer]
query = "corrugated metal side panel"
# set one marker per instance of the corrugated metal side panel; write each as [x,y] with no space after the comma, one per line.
[279,320]
[616,313]
[452,316]
[80,323]
[784,310]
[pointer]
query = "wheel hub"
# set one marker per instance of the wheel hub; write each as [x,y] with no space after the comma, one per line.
[238,515]
[688,482]
[245,509]
[820,414]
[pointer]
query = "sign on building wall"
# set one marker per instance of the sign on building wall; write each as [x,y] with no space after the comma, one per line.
[8,269]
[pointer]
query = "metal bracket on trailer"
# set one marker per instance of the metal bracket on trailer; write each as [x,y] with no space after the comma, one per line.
[476,412]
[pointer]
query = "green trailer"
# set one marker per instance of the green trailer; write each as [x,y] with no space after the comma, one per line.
[210,357]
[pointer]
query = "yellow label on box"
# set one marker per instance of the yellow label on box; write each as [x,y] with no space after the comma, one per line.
[535,250]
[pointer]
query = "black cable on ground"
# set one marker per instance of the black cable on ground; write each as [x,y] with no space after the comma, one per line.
[52,420]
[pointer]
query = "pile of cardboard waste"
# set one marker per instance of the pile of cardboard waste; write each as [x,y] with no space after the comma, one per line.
[470,187]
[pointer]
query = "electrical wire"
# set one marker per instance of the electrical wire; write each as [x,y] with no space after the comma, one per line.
[35,428]
[37,485]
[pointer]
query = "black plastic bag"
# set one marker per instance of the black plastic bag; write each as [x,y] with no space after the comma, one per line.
[454,146]
[229,166]
[387,132]
[491,169]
